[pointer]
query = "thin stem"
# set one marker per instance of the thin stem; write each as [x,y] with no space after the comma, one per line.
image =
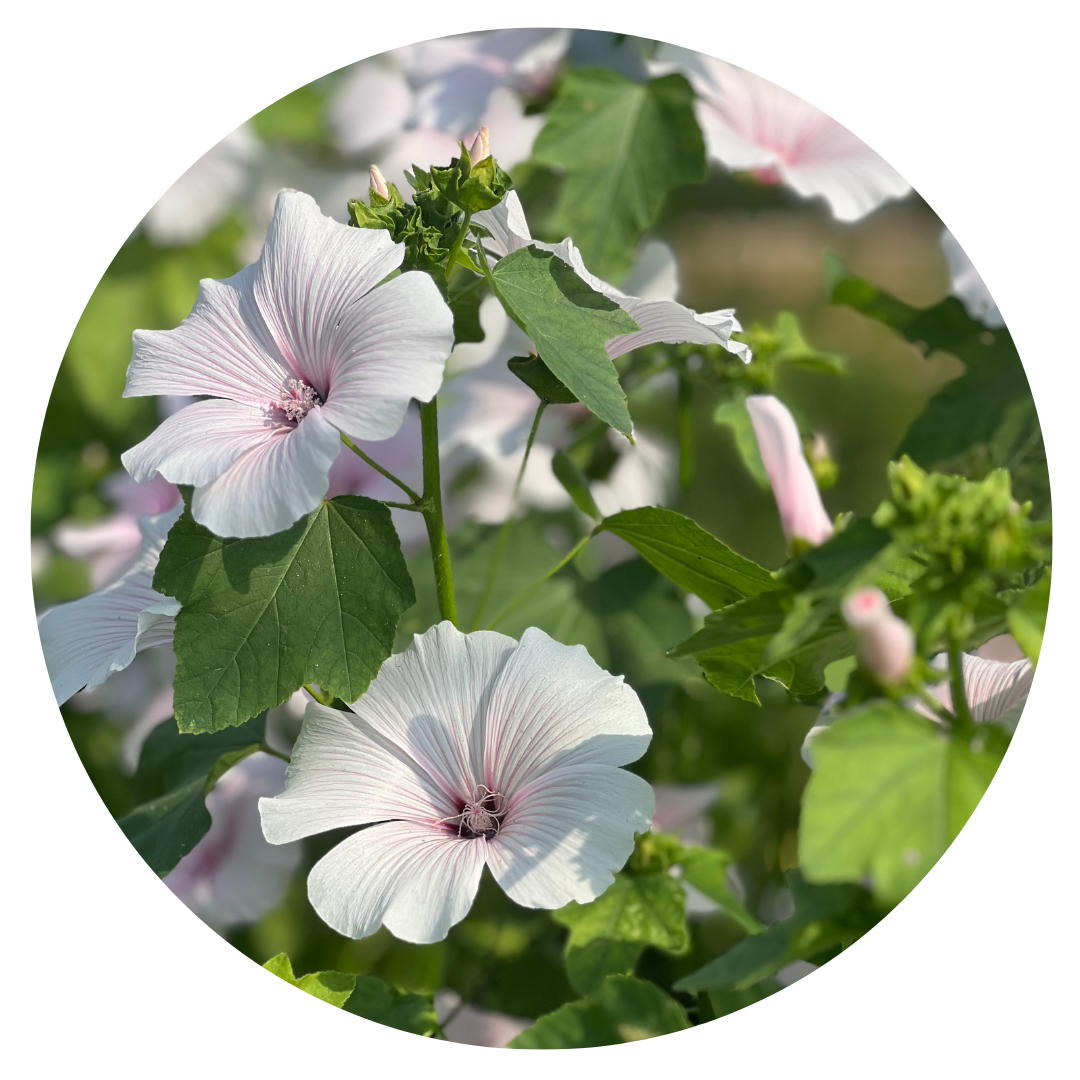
[433,516]
[956,670]
[458,241]
[379,469]
[274,753]
[530,589]
[418,507]
[686,432]
[932,702]
[508,524]
[320,695]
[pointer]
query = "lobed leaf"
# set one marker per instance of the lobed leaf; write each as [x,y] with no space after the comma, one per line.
[377,1000]
[333,987]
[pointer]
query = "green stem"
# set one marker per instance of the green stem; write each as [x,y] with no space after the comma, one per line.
[458,241]
[530,589]
[686,432]
[418,507]
[932,702]
[379,469]
[274,753]
[508,524]
[433,516]
[956,671]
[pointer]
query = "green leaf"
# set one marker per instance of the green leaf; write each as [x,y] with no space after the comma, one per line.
[466,294]
[967,411]
[537,376]
[376,1000]
[299,116]
[1027,617]
[318,603]
[333,987]
[735,415]
[694,559]
[569,322]
[706,869]
[623,1010]
[608,934]
[889,792]
[575,482]
[175,774]
[825,917]
[623,146]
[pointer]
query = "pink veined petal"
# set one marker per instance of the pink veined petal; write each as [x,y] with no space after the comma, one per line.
[796,492]
[86,640]
[233,876]
[391,346]
[430,702]
[554,706]
[221,349]
[198,443]
[311,273]
[995,689]
[415,880]
[567,832]
[283,476]
[343,773]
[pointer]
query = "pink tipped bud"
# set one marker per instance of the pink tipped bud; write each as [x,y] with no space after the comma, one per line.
[797,497]
[884,644]
[481,147]
[378,182]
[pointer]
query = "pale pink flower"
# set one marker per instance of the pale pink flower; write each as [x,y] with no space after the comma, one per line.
[754,125]
[659,320]
[995,691]
[467,750]
[86,640]
[232,877]
[302,346]
[884,643]
[802,514]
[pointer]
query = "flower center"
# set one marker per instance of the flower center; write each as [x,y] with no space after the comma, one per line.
[297,400]
[481,816]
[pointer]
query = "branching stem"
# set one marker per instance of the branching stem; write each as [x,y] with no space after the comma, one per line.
[379,469]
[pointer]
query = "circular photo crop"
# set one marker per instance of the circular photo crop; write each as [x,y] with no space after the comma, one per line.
[541,538]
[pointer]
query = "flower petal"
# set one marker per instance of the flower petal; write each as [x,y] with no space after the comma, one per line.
[430,702]
[283,476]
[507,225]
[198,443]
[86,640]
[222,349]
[554,706]
[311,273]
[391,346]
[414,880]
[344,773]
[567,832]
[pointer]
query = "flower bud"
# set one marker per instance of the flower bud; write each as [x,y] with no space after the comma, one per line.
[797,497]
[378,182]
[884,643]
[481,147]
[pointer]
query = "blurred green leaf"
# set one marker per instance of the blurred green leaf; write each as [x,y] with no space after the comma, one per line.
[575,482]
[825,917]
[694,559]
[889,793]
[706,869]
[1027,617]
[376,1000]
[608,934]
[299,116]
[624,1009]
[333,987]
[569,323]
[624,146]
[318,603]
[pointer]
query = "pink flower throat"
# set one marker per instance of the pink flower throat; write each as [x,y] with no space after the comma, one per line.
[297,400]
[481,816]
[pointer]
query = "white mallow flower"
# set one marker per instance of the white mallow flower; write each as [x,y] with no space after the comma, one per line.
[86,640]
[294,350]
[659,320]
[467,750]
[232,877]
[968,286]
[752,124]
[203,197]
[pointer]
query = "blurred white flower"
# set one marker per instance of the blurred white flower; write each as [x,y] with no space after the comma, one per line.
[467,750]
[968,286]
[752,124]
[798,500]
[232,877]
[205,195]
[86,640]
